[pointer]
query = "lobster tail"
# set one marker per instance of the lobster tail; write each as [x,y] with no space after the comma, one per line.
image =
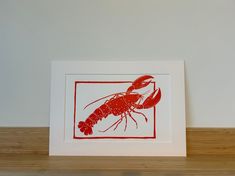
[85,128]
[98,114]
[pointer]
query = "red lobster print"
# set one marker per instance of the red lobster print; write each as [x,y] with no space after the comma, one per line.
[122,104]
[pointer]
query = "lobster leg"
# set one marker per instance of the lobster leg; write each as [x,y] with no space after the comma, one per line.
[126,122]
[133,119]
[117,122]
[146,119]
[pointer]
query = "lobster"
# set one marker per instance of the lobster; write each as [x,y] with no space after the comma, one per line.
[122,104]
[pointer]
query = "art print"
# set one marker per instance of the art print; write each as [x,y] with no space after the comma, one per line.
[115,108]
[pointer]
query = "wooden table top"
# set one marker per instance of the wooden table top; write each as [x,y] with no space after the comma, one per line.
[18,164]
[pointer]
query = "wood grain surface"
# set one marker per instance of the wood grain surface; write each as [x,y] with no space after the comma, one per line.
[24,152]
[211,141]
[168,166]
[24,140]
[200,141]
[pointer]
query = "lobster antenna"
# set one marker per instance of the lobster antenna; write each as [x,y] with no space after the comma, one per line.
[104,98]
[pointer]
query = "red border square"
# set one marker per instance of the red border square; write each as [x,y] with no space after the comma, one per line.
[110,137]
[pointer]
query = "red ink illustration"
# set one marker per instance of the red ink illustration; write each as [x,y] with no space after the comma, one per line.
[122,104]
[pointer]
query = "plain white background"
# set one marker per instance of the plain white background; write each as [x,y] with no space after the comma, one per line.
[32,33]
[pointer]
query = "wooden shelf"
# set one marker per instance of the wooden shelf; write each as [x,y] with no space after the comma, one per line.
[17,164]
[24,152]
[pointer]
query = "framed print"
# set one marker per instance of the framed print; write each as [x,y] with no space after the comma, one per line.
[117,108]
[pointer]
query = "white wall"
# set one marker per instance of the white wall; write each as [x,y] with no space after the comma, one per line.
[34,32]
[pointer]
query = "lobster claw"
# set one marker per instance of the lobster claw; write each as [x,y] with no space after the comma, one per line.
[140,83]
[152,100]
